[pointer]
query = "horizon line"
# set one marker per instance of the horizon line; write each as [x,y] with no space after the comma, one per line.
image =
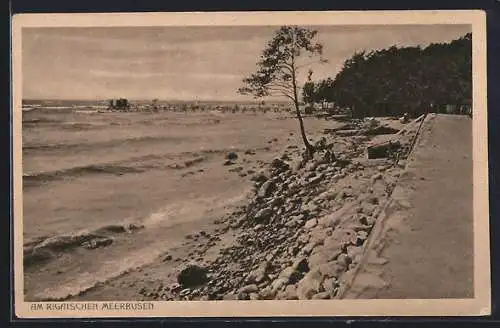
[147,99]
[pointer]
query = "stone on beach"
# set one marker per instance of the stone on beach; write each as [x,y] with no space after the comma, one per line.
[266,189]
[263,215]
[311,224]
[192,275]
[232,156]
[310,285]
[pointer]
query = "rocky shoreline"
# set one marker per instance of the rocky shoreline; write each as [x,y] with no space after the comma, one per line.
[302,233]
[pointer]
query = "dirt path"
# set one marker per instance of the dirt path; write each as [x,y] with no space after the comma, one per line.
[427,236]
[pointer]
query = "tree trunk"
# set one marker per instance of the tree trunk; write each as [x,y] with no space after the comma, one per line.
[309,147]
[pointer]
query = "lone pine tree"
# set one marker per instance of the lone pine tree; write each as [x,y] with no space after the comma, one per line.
[278,68]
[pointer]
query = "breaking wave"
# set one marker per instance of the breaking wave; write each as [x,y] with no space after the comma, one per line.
[30,179]
[94,145]
[44,249]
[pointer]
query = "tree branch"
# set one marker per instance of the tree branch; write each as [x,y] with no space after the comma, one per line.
[286,91]
[282,94]
[321,61]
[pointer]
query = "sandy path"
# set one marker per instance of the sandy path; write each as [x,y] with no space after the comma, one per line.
[427,238]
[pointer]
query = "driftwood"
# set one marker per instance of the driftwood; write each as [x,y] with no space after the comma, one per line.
[347,133]
[383,149]
[381,129]
[345,126]
[411,124]
[341,117]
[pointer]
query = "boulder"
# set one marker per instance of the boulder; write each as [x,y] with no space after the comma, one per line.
[311,224]
[322,255]
[383,150]
[317,236]
[355,254]
[316,179]
[321,296]
[328,195]
[301,265]
[267,293]
[230,297]
[348,237]
[232,156]
[259,274]
[329,221]
[266,189]
[311,166]
[290,275]
[376,177]
[344,260]
[192,275]
[254,297]
[260,177]
[249,289]
[243,297]
[369,207]
[332,269]
[258,227]
[310,285]
[290,292]
[237,223]
[263,215]
[293,221]
[279,165]
[278,284]
[329,285]
[362,236]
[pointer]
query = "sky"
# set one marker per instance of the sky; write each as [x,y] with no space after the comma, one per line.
[183,63]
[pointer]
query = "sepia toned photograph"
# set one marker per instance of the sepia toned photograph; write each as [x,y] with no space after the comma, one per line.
[251,161]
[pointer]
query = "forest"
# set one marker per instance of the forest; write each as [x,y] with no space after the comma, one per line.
[436,78]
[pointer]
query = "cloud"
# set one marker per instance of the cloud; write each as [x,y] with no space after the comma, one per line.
[182,62]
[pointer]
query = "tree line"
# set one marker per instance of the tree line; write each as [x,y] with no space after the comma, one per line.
[397,80]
